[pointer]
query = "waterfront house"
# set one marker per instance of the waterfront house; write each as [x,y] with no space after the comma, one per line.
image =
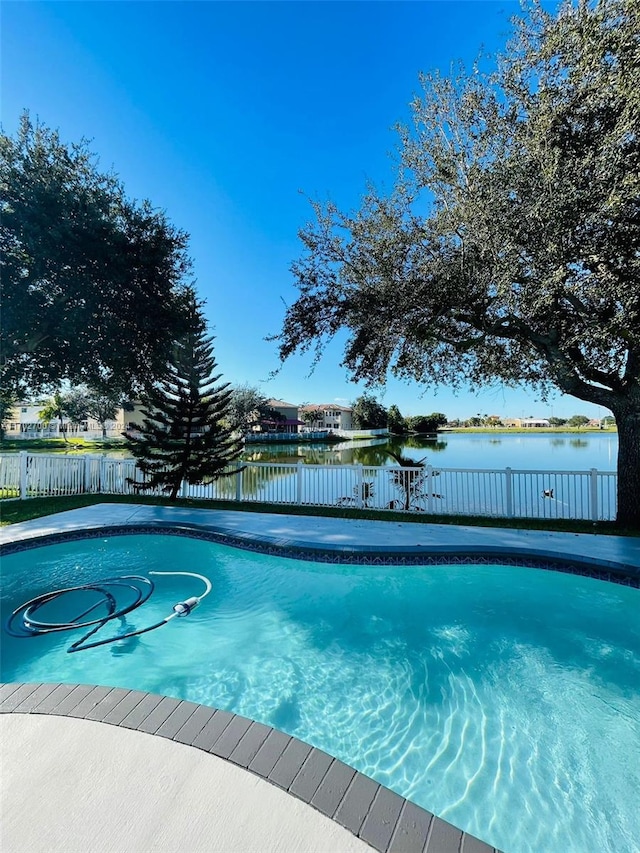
[329,416]
[23,422]
[526,423]
[532,423]
[285,421]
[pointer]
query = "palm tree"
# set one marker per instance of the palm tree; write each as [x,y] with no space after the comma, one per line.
[313,417]
[411,480]
[55,408]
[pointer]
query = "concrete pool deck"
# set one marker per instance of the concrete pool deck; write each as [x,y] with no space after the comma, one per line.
[104,770]
[100,788]
[343,535]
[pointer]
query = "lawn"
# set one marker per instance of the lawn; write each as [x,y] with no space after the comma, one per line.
[59,445]
[15,511]
[528,430]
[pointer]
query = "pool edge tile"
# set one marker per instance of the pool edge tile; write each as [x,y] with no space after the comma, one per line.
[377,811]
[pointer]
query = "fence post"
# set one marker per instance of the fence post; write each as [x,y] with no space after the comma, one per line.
[508,490]
[430,488]
[130,471]
[184,489]
[87,473]
[594,494]
[103,486]
[359,484]
[239,469]
[299,484]
[23,474]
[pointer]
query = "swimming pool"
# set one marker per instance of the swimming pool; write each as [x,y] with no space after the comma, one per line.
[504,699]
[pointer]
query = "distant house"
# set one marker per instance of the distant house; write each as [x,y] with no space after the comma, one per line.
[330,416]
[286,421]
[526,423]
[131,417]
[534,422]
[23,421]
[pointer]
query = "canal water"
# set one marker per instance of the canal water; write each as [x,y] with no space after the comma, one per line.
[541,483]
[545,451]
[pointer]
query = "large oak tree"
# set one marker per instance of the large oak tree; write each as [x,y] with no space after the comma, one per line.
[508,248]
[93,283]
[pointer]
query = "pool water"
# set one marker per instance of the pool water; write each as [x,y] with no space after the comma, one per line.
[506,700]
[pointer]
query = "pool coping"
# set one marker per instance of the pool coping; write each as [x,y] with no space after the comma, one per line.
[378,816]
[525,555]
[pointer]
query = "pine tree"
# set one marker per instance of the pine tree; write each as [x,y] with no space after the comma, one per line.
[182,436]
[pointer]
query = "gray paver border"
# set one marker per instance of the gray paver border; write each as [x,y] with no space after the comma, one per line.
[606,570]
[377,815]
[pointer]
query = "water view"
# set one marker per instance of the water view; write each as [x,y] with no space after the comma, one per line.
[563,475]
[547,451]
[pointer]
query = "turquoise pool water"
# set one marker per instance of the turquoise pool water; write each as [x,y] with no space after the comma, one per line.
[505,700]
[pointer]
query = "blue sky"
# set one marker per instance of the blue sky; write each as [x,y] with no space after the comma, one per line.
[230,116]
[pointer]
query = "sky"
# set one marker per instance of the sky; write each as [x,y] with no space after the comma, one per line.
[232,117]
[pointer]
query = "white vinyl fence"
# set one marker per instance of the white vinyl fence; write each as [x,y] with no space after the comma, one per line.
[505,493]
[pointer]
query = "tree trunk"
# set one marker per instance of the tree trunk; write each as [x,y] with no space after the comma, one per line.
[176,482]
[628,422]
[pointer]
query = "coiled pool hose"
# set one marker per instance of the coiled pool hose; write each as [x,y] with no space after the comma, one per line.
[23,622]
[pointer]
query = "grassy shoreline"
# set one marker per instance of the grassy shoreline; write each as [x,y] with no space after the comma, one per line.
[530,431]
[58,445]
[15,511]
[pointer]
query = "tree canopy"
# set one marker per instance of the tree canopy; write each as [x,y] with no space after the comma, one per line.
[396,423]
[248,406]
[102,405]
[368,413]
[426,423]
[509,247]
[55,409]
[92,282]
[578,421]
